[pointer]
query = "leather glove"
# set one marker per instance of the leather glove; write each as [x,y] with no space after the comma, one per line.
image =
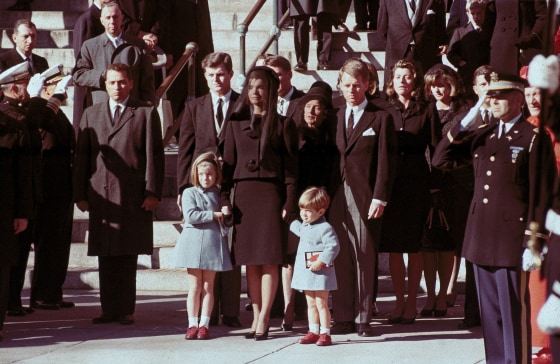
[528,41]
[528,262]
[544,72]
[35,85]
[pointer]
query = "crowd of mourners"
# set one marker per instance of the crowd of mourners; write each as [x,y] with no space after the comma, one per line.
[304,189]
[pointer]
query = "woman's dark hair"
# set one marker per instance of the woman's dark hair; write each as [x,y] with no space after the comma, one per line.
[413,67]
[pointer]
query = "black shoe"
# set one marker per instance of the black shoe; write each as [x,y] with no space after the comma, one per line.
[250,335]
[374,310]
[467,324]
[214,321]
[249,307]
[104,319]
[66,304]
[18,312]
[343,328]
[365,330]
[126,319]
[324,66]
[19,7]
[286,327]
[261,337]
[28,310]
[230,321]
[300,67]
[42,305]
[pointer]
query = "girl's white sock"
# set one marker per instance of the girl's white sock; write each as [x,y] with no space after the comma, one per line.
[204,321]
[193,321]
[314,328]
[325,330]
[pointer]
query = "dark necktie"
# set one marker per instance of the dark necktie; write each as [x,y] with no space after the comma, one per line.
[220,113]
[117,114]
[486,117]
[413,6]
[350,125]
[28,60]
[503,133]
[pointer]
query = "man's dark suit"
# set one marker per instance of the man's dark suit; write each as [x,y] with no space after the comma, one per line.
[472,47]
[95,55]
[11,57]
[293,106]
[506,171]
[427,33]
[116,168]
[87,26]
[198,134]
[364,171]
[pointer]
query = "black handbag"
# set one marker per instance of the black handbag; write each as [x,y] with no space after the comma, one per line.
[437,233]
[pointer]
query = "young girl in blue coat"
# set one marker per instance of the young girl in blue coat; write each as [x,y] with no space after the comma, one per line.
[313,270]
[202,247]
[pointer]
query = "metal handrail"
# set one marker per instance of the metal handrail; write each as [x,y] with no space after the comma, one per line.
[273,37]
[243,28]
[188,57]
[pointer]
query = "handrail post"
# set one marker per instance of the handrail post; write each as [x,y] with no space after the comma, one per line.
[275,29]
[242,29]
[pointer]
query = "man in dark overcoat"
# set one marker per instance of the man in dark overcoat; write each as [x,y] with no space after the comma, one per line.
[413,32]
[203,129]
[98,53]
[506,168]
[25,40]
[518,33]
[364,173]
[16,196]
[118,177]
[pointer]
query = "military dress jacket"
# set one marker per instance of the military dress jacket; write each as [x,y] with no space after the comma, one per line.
[506,171]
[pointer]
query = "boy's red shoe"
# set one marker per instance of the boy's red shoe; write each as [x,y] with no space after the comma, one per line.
[324,340]
[309,338]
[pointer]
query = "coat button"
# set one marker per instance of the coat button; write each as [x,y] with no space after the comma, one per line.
[486,187]
[520,219]
[485,200]
[476,155]
[488,173]
[492,158]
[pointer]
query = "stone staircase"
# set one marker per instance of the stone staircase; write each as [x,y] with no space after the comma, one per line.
[55,20]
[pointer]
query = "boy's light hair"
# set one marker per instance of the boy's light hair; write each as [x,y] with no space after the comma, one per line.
[315,198]
[206,158]
[476,3]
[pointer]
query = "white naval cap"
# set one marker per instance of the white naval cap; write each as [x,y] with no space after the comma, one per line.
[19,72]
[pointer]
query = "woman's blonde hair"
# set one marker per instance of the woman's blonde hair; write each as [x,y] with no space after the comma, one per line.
[206,158]
[315,198]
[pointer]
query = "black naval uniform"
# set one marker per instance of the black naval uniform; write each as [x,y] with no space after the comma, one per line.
[17,111]
[53,228]
[506,170]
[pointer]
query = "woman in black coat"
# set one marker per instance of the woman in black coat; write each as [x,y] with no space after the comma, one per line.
[418,130]
[444,88]
[259,160]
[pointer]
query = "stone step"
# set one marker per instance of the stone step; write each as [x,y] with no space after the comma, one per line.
[45,38]
[42,19]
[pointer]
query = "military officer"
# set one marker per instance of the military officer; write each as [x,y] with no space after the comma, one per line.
[506,167]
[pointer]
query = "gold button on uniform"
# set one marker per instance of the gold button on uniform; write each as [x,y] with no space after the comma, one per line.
[488,173]
[486,187]
[485,200]
[492,158]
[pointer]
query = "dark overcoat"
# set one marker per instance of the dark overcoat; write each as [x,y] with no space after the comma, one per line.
[506,171]
[418,129]
[95,57]
[396,31]
[116,168]
[11,57]
[313,7]
[15,185]
[198,134]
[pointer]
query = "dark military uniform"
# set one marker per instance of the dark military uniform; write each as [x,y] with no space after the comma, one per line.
[506,171]
[17,112]
[15,198]
[53,228]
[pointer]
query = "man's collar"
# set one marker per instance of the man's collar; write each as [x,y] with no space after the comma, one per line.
[23,56]
[359,107]
[288,95]
[113,103]
[225,97]
[512,121]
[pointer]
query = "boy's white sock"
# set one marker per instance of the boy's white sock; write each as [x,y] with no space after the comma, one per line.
[548,319]
[193,321]
[204,321]
[314,328]
[325,330]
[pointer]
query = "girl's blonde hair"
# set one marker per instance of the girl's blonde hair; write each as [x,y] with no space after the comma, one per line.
[315,198]
[210,158]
